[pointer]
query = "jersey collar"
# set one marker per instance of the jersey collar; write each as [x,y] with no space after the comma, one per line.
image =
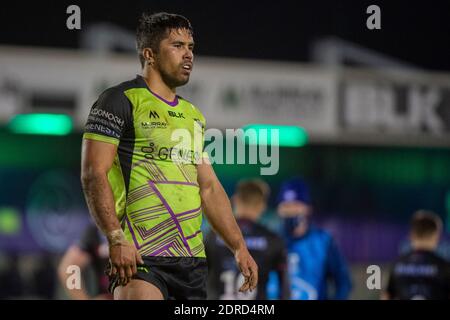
[173,103]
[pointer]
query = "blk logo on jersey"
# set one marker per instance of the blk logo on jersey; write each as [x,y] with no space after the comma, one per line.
[176,114]
[154,114]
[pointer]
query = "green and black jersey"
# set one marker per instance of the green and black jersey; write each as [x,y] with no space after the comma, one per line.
[154,175]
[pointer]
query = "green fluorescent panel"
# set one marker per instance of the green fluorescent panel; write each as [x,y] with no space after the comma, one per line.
[41,123]
[10,221]
[289,136]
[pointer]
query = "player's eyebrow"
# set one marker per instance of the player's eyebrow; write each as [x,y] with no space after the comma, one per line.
[183,43]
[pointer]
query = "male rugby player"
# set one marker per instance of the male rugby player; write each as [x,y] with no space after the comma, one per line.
[145,189]
[267,248]
[421,274]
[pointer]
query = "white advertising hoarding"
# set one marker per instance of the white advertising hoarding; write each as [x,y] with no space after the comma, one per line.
[333,105]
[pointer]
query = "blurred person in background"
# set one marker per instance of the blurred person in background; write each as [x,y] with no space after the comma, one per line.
[91,250]
[420,274]
[314,261]
[43,279]
[12,285]
[267,248]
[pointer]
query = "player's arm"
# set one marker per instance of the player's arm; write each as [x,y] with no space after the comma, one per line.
[217,209]
[74,256]
[97,159]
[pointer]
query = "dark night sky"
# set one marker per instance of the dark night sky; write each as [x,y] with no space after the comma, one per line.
[415,32]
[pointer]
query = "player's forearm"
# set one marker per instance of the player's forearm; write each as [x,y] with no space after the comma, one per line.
[217,209]
[100,201]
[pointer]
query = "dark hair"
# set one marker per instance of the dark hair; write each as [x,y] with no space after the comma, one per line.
[425,223]
[252,191]
[153,28]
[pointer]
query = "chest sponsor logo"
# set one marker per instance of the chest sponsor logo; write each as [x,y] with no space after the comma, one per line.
[153,125]
[98,113]
[98,128]
[154,114]
[155,152]
[176,114]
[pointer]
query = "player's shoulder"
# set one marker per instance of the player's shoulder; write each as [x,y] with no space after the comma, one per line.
[193,107]
[438,259]
[412,256]
[264,230]
[401,259]
[184,100]
[118,90]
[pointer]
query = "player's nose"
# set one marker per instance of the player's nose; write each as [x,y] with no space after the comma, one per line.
[188,55]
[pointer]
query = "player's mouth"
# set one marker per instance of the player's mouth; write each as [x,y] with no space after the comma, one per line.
[187,67]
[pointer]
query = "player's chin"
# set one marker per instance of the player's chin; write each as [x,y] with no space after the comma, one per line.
[182,80]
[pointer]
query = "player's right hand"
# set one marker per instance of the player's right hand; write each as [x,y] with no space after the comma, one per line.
[124,259]
[248,268]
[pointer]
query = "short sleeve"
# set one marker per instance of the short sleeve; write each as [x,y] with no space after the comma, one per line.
[109,117]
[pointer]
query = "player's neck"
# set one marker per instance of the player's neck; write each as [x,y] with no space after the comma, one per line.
[423,244]
[158,86]
[247,215]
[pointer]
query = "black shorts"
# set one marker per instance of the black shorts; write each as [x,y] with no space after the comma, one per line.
[176,277]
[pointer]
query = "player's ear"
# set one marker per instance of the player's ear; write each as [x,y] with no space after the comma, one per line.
[149,56]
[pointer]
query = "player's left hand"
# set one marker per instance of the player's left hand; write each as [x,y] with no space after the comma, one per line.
[249,269]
